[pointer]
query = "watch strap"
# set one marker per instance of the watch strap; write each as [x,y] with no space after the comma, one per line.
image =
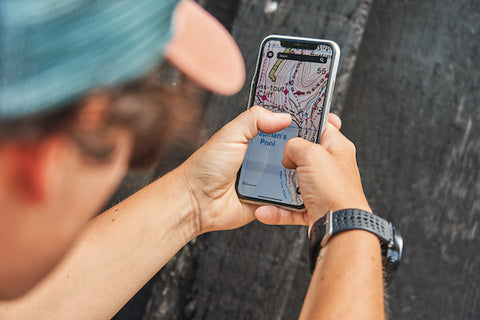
[356,219]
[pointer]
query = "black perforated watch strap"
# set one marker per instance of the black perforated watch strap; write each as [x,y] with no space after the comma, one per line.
[348,219]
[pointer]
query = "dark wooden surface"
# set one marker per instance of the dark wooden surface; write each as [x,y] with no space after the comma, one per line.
[413,110]
[258,272]
[408,95]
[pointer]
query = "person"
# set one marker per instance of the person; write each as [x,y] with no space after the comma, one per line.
[78,108]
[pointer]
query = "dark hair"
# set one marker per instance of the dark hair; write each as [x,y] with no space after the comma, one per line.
[143,106]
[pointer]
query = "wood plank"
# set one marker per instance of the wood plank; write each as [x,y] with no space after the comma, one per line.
[342,21]
[258,272]
[413,112]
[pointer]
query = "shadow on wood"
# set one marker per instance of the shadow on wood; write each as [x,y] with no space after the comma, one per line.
[409,97]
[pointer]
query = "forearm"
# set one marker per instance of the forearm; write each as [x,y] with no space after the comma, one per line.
[115,256]
[347,282]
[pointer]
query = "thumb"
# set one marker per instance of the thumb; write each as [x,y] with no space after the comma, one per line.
[298,152]
[246,126]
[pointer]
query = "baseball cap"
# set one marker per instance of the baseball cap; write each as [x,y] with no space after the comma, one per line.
[53,52]
[204,50]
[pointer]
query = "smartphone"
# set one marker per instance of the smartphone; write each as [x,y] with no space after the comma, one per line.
[296,76]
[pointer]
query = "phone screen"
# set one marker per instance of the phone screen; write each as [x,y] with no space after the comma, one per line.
[290,78]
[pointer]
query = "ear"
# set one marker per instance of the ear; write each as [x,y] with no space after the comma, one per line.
[30,167]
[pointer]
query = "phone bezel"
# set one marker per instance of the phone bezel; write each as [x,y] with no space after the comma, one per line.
[324,118]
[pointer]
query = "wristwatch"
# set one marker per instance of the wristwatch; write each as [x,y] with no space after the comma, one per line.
[354,219]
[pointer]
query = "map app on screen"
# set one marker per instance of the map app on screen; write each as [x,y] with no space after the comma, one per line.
[294,81]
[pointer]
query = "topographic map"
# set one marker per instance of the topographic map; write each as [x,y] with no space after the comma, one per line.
[287,82]
[294,87]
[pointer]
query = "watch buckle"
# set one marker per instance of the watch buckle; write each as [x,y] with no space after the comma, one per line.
[328,228]
[393,256]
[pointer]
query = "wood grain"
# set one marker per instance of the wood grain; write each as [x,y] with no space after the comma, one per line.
[259,272]
[409,98]
[413,112]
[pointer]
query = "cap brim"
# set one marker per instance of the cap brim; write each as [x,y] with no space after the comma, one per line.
[204,50]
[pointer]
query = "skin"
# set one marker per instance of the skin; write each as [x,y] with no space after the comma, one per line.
[340,186]
[347,281]
[55,259]
[119,252]
[47,195]
[166,214]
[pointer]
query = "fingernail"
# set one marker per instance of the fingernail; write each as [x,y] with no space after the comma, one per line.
[282,116]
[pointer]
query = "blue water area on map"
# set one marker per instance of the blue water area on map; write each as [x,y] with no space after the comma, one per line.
[263,175]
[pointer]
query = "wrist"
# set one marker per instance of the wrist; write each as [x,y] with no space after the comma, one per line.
[347,220]
[348,272]
[180,197]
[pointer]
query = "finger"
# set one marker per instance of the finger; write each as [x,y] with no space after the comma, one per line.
[333,139]
[297,152]
[246,126]
[278,216]
[335,120]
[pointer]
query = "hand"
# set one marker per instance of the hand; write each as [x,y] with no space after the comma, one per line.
[328,177]
[211,172]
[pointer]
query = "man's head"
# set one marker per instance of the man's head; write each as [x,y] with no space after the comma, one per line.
[75,102]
